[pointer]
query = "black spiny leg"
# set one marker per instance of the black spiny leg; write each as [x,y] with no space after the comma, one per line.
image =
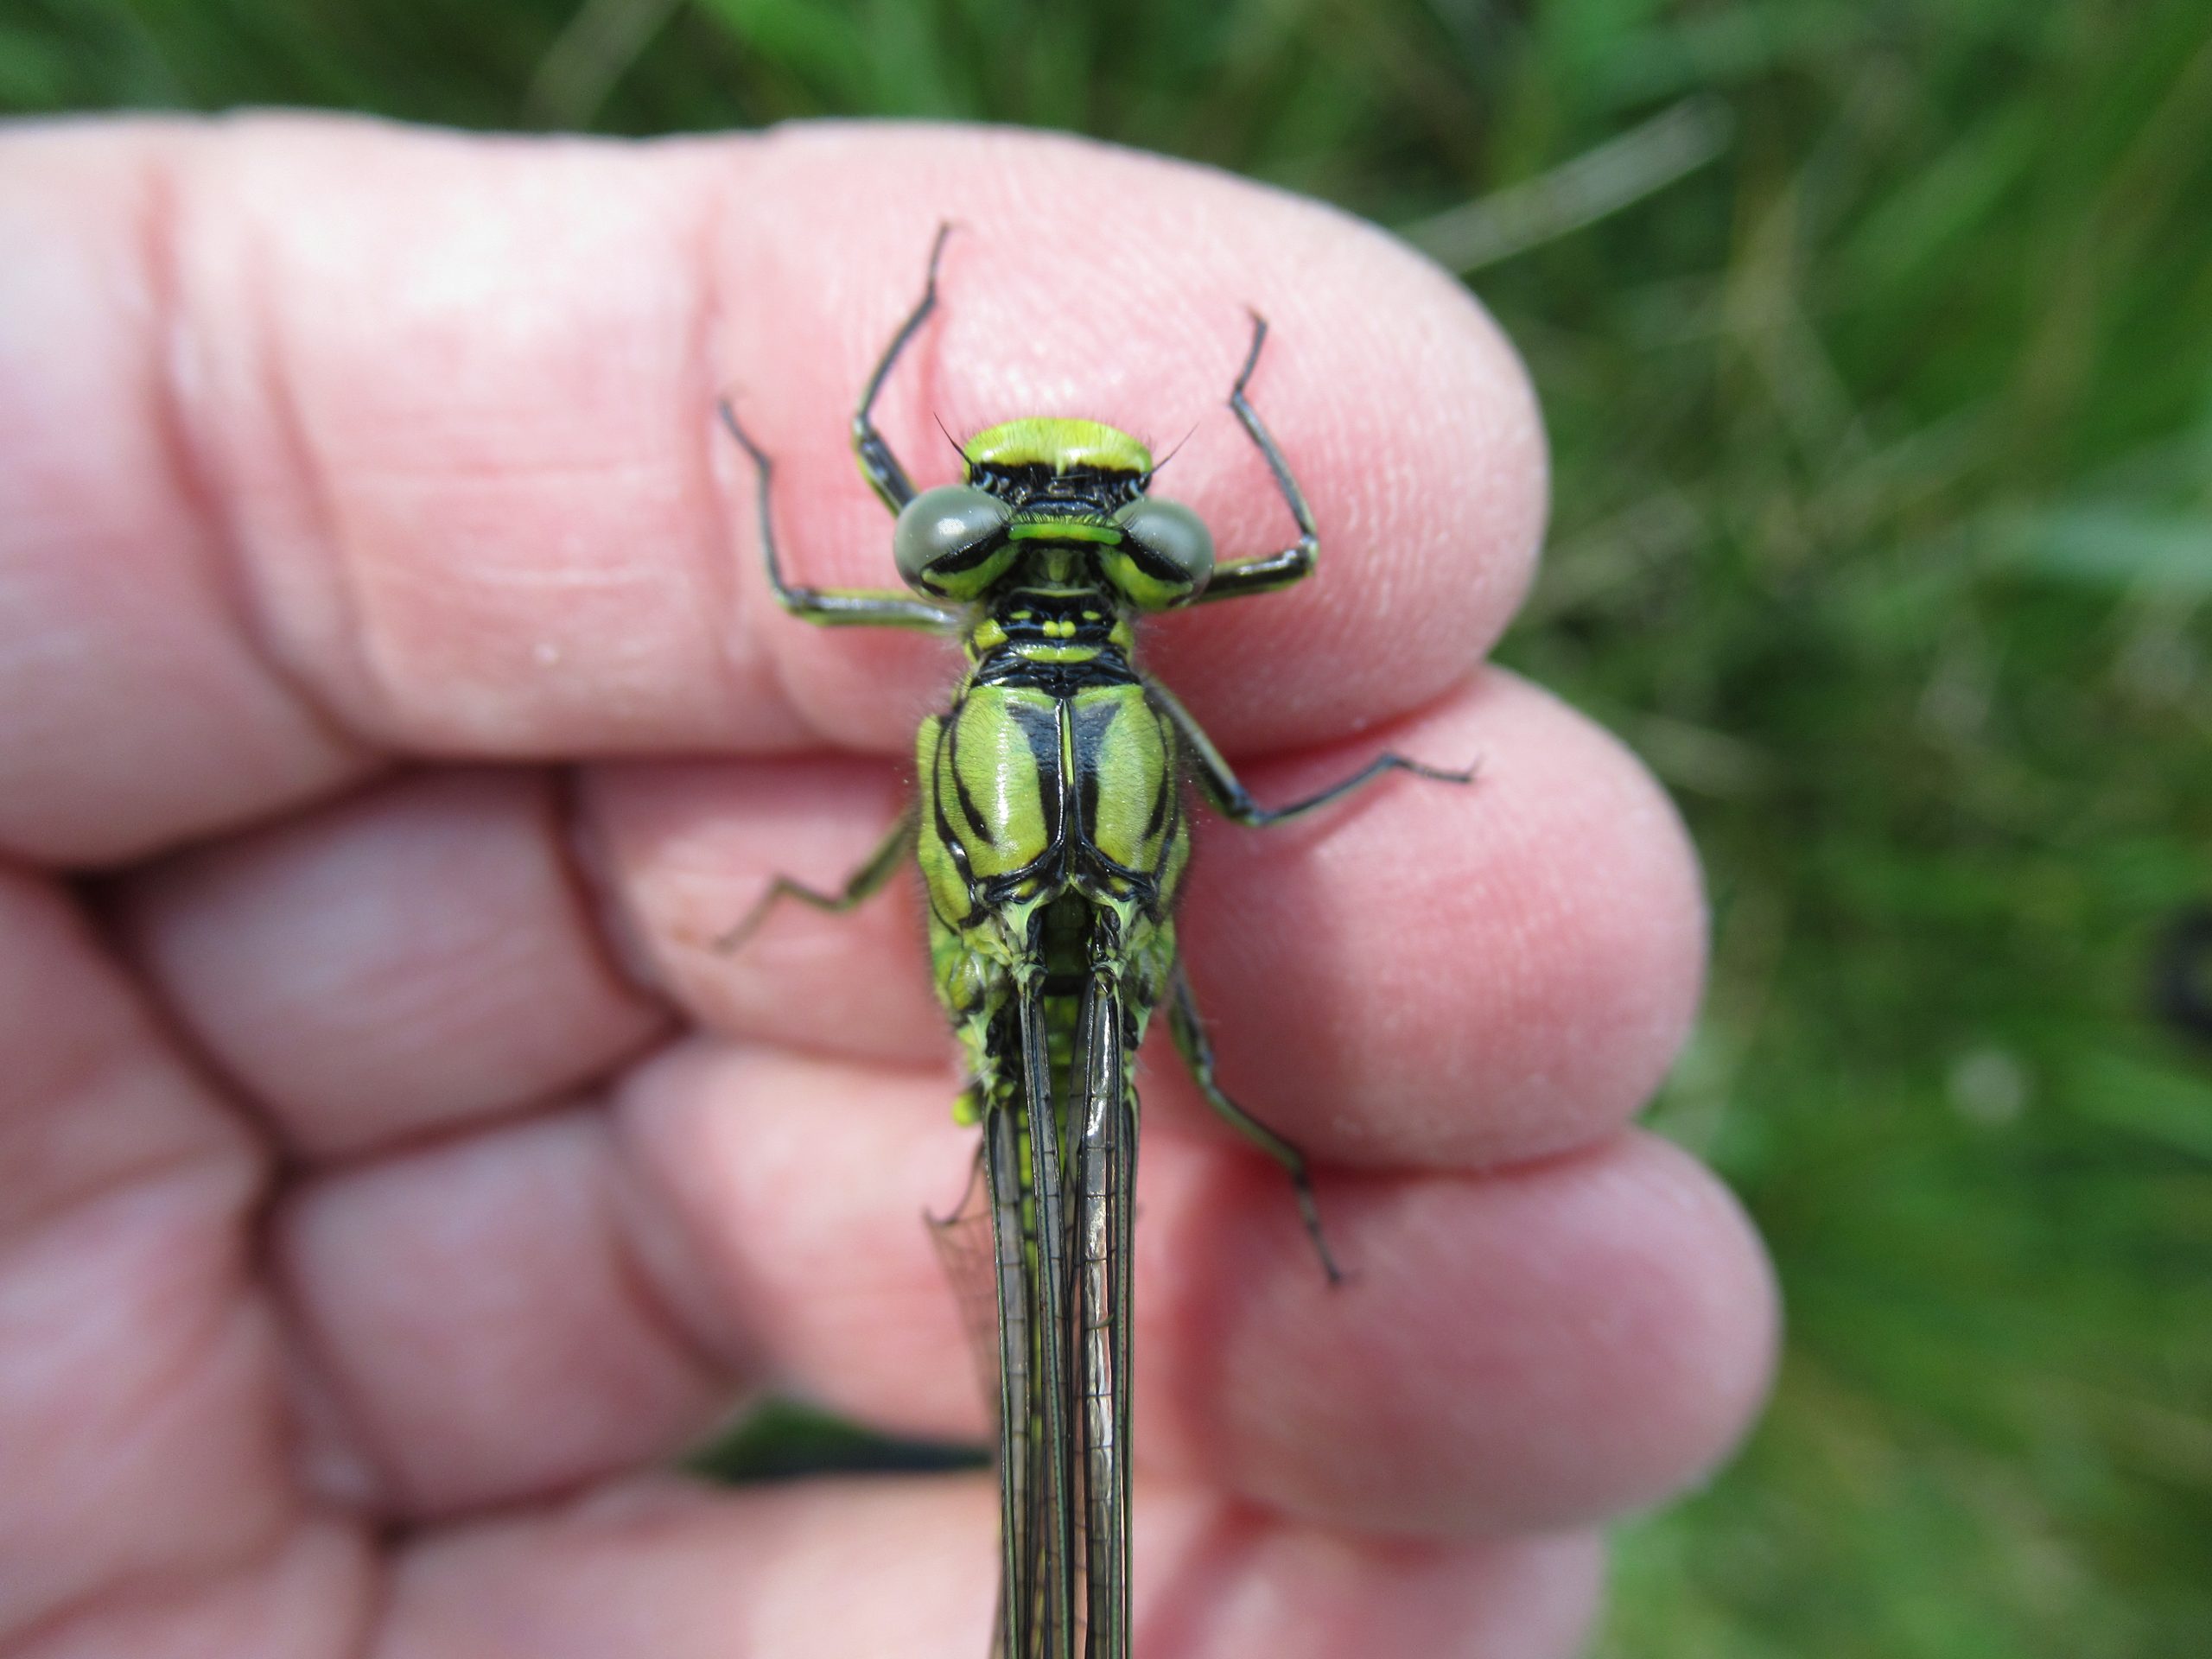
[880,607]
[1295,562]
[1232,800]
[885,474]
[862,882]
[1191,1042]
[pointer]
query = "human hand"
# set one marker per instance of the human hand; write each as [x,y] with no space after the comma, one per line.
[388,1175]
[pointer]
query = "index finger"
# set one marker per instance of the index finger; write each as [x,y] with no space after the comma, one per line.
[328,440]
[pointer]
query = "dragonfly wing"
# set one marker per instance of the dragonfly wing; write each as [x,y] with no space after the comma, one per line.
[1021,1527]
[985,1255]
[1104,1159]
[1049,1561]
[1007,1251]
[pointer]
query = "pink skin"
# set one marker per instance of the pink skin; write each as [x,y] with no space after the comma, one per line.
[390,1178]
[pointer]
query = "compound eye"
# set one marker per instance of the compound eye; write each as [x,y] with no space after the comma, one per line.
[1168,552]
[947,539]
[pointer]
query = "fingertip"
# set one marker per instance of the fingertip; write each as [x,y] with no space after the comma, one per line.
[1406,417]
[878,1566]
[1539,1348]
[431,465]
[1453,975]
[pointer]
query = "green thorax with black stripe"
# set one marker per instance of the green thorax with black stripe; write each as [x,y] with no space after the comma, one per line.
[1054,778]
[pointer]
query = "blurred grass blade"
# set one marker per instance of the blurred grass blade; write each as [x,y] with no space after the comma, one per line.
[2162,1104]
[601,43]
[1616,173]
[786,1439]
[2117,547]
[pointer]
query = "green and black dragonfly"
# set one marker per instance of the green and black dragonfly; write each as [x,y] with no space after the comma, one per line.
[1050,826]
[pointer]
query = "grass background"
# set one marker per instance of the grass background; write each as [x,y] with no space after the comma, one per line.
[1880,381]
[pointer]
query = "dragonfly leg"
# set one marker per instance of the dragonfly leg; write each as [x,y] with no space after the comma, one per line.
[885,475]
[830,607]
[1197,1050]
[1232,800]
[890,853]
[1294,563]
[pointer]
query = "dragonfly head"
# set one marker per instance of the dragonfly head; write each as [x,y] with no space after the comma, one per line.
[1040,482]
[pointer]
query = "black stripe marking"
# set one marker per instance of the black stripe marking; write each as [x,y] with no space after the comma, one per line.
[1160,794]
[951,760]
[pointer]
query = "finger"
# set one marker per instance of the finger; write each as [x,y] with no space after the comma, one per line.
[689,848]
[1537,1347]
[1552,1345]
[419,955]
[476,1326]
[444,440]
[853,1568]
[1367,337]
[140,1400]
[309,1597]
[1454,977]
[414,957]
[1422,975]
[507,1316]
[142,704]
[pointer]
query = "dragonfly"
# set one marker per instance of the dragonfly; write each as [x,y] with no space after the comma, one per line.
[1050,828]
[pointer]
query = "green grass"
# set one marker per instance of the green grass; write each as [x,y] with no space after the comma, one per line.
[1883,532]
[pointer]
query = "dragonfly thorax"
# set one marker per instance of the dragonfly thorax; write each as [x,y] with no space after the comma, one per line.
[1055,628]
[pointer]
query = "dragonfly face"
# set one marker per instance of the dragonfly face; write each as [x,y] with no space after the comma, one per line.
[1052,503]
[1050,828]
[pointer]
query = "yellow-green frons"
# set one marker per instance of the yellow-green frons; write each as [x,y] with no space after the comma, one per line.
[1063,445]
